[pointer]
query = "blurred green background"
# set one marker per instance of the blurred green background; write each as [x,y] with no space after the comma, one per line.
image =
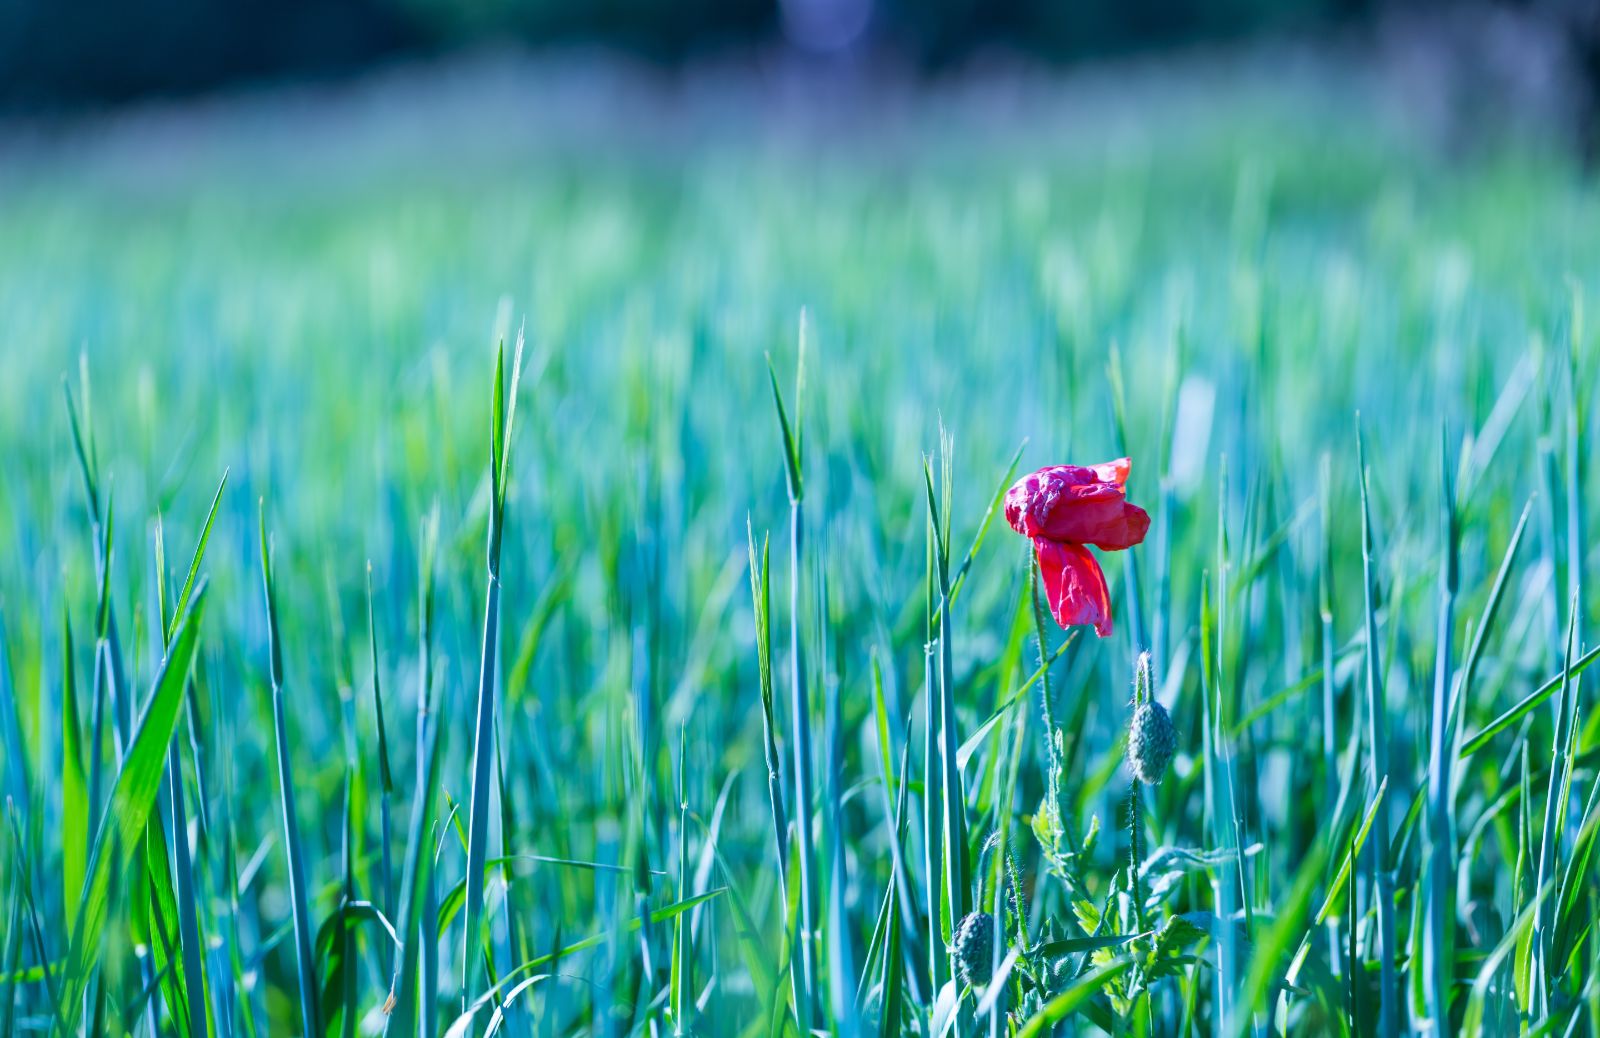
[1380,209]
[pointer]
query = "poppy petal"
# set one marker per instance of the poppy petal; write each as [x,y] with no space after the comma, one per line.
[1113,471]
[1074,585]
[1117,533]
[1076,503]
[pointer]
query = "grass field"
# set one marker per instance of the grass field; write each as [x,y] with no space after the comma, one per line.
[364,669]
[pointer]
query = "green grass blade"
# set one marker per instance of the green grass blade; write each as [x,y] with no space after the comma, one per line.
[199,554]
[133,795]
[75,806]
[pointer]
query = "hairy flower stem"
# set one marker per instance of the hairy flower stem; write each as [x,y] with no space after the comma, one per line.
[1142,693]
[1135,852]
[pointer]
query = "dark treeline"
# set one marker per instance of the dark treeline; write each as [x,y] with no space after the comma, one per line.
[55,53]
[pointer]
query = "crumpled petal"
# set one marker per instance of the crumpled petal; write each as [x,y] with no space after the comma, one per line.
[1082,504]
[1113,471]
[1074,585]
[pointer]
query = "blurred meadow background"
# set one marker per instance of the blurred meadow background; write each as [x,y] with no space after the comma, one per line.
[284,753]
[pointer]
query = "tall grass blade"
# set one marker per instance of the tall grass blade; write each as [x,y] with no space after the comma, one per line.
[133,795]
[412,1004]
[761,596]
[504,409]
[1529,702]
[75,804]
[1562,742]
[805,972]
[385,773]
[1438,948]
[304,931]
[1378,774]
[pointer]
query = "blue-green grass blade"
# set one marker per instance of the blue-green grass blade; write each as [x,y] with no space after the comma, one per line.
[1434,900]
[478,817]
[1486,622]
[976,739]
[665,914]
[791,447]
[1378,757]
[681,988]
[83,448]
[483,730]
[11,961]
[1527,703]
[761,599]
[1560,777]
[412,1012]
[385,772]
[15,747]
[1357,843]
[188,898]
[959,581]
[1472,1024]
[304,931]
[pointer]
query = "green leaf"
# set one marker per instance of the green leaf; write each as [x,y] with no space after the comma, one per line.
[1073,998]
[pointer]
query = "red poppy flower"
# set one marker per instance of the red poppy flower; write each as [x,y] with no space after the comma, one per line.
[1064,507]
